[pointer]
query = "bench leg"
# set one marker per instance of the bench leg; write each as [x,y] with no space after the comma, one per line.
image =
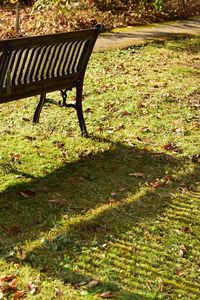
[38,110]
[79,109]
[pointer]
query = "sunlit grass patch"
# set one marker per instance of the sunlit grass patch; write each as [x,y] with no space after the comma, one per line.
[116,214]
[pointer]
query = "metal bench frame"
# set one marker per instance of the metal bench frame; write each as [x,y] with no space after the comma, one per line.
[23,75]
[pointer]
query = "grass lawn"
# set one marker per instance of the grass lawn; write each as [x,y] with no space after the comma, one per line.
[115,215]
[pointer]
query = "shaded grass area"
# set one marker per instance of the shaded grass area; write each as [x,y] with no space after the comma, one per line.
[121,207]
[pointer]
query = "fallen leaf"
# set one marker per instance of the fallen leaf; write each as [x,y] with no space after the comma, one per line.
[92,283]
[121,189]
[32,288]
[59,202]
[15,157]
[21,253]
[26,119]
[15,229]
[171,147]
[8,286]
[45,269]
[121,126]
[58,293]
[107,295]
[19,295]
[142,105]
[19,176]
[182,251]
[58,144]
[157,184]
[82,283]
[186,229]
[88,110]
[13,284]
[140,175]
[8,278]
[179,272]
[125,113]
[27,193]
[113,194]
[30,138]
[145,129]
[100,129]
[168,178]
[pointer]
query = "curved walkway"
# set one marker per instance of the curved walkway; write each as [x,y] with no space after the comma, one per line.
[137,35]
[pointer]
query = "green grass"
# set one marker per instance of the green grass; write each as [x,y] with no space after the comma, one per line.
[138,235]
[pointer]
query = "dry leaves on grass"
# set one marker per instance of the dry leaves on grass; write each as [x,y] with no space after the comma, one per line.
[8,286]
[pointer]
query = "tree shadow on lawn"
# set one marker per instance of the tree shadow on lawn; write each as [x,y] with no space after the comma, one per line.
[101,200]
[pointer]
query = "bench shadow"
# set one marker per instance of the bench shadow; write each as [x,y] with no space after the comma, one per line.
[99,191]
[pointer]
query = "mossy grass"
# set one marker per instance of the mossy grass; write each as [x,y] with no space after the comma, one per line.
[118,211]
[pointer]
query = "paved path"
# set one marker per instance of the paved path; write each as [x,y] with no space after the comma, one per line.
[136,35]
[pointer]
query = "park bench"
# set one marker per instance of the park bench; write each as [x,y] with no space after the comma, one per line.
[31,66]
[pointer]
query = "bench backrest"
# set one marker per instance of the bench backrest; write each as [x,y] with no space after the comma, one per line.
[33,65]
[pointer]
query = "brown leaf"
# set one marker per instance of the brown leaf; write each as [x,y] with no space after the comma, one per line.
[100,129]
[15,229]
[157,184]
[179,272]
[26,119]
[88,110]
[171,147]
[168,178]
[59,144]
[125,113]
[8,278]
[45,269]
[59,202]
[186,229]
[15,157]
[19,295]
[30,138]
[27,193]
[107,295]
[13,284]
[8,286]
[140,175]
[142,104]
